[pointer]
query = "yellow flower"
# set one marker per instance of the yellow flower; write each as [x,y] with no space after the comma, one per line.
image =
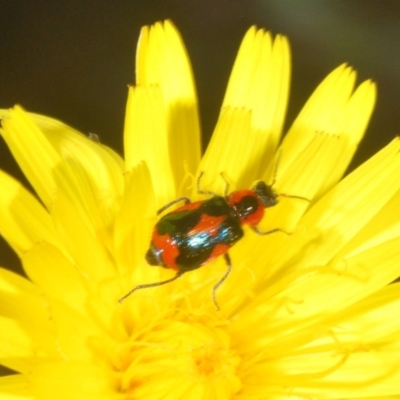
[308,312]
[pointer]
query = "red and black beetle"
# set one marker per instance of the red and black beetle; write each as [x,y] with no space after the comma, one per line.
[194,234]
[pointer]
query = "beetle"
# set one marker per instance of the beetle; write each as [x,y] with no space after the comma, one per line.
[198,232]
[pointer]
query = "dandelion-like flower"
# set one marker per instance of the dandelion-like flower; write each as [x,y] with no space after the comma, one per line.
[308,312]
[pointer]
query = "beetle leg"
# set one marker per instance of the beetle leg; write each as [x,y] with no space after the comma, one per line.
[221,281]
[171,203]
[226,190]
[257,230]
[148,285]
[292,196]
[276,166]
[202,191]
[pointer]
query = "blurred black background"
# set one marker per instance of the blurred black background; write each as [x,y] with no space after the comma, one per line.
[73,59]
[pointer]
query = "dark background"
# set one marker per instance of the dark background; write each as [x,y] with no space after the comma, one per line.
[73,59]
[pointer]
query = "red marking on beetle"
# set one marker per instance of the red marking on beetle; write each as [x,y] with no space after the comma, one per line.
[218,250]
[188,207]
[170,250]
[209,224]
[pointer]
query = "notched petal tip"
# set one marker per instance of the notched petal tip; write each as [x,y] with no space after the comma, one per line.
[163,66]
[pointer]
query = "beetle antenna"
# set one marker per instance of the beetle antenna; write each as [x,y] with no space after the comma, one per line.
[276,166]
[290,196]
[148,285]
[222,280]
[202,191]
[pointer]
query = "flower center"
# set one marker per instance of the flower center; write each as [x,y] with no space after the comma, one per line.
[177,357]
[206,362]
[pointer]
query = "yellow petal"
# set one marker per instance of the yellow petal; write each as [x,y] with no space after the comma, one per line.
[336,286]
[60,168]
[56,275]
[260,82]
[337,356]
[384,226]
[27,328]
[33,152]
[72,380]
[133,224]
[23,221]
[14,387]
[145,139]
[162,61]
[303,177]
[326,375]
[370,318]
[251,119]
[96,170]
[66,320]
[82,243]
[19,352]
[161,123]
[333,109]
[347,208]
[22,300]
[222,155]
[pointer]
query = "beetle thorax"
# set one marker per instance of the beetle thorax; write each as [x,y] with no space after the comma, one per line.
[247,206]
